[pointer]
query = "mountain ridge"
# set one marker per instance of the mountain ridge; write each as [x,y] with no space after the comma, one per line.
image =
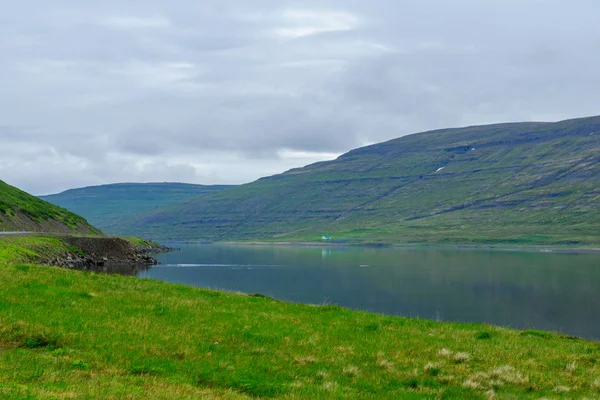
[531,183]
[125,185]
[110,206]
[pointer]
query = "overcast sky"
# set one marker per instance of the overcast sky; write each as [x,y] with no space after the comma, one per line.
[227,91]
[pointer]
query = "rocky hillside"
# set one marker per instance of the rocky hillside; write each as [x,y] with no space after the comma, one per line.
[522,183]
[20,211]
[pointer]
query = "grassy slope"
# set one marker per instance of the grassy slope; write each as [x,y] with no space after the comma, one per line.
[109,206]
[529,183]
[20,211]
[15,249]
[67,334]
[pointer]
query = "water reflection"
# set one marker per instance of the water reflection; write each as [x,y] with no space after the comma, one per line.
[126,269]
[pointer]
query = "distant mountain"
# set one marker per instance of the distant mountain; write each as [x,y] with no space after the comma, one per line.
[20,211]
[110,206]
[522,183]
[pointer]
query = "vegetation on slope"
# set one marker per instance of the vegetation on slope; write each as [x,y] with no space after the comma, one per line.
[110,206]
[118,337]
[25,249]
[527,183]
[20,211]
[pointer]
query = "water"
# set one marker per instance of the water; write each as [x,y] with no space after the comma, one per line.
[546,291]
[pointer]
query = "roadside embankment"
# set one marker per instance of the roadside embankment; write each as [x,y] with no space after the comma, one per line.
[80,252]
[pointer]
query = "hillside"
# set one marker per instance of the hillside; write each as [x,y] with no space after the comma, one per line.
[109,206]
[522,183]
[20,211]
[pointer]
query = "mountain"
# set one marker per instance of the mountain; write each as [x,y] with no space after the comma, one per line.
[20,211]
[522,183]
[110,206]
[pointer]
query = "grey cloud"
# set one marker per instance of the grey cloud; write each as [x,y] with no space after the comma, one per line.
[225,91]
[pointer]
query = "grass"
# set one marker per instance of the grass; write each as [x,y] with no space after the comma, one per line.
[69,334]
[23,249]
[24,212]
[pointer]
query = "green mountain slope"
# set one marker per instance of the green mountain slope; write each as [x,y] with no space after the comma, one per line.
[109,206]
[20,211]
[527,183]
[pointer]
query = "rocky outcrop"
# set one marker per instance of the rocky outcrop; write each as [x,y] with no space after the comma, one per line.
[104,254]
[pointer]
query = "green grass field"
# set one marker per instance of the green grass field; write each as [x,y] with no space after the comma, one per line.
[74,335]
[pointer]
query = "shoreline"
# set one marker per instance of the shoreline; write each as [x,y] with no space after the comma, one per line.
[156,246]
[495,247]
[86,253]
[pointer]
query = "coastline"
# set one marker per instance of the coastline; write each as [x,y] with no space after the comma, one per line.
[88,253]
[495,247]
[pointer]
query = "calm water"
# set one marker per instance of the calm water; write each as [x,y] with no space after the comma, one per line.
[546,291]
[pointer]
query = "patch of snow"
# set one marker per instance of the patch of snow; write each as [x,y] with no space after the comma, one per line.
[439,169]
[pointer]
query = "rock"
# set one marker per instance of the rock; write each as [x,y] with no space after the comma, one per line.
[104,254]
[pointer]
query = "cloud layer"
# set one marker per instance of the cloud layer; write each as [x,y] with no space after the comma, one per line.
[228,91]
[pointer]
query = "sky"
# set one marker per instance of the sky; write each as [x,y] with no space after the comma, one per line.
[227,91]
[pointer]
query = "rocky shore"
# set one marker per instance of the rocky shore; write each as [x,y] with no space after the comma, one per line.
[105,254]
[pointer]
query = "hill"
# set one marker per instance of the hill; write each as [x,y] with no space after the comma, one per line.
[109,206]
[20,211]
[522,183]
